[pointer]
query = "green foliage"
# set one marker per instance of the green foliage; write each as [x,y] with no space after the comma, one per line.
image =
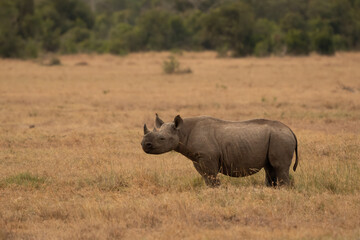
[183,5]
[324,43]
[297,42]
[171,66]
[160,30]
[10,41]
[322,38]
[268,38]
[50,36]
[31,49]
[193,25]
[340,42]
[230,25]
[77,39]
[239,28]
[120,37]
[262,49]
[293,21]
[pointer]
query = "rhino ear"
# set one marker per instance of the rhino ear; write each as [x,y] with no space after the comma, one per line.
[146,130]
[158,121]
[178,121]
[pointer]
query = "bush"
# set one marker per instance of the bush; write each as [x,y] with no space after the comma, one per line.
[76,40]
[264,29]
[171,66]
[268,38]
[230,25]
[54,61]
[262,49]
[323,42]
[159,30]
[154,30]
[297,42]
[50,36]
[293,21]
[31,49]
[120,38]
[194,28]
[10,42]
[340,43]
[223,51]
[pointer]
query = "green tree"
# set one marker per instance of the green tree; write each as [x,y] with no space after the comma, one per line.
[119,39]
[293,21]
[77,39]
[230,25]
[297,42]
[58,17]
[183,5]
[194,28]
[10,43]
[268,38]
[160,30]
[322,37]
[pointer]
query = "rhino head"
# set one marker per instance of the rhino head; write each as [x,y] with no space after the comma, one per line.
[164,138]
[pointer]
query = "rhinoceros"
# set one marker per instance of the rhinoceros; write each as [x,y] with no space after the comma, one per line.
[236,149]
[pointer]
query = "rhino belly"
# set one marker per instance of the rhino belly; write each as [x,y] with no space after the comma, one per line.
[240,161]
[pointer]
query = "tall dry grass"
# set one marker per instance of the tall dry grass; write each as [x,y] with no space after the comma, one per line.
[71,165]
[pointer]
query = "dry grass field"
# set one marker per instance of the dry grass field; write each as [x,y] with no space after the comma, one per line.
[71,164]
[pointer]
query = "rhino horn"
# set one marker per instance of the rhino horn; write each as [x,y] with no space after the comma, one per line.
[155,130]
[146,130]
[158,121]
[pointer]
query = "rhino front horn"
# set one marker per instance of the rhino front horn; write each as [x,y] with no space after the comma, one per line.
[146,130]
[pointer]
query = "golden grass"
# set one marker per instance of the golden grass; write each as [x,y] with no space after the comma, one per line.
[71,165]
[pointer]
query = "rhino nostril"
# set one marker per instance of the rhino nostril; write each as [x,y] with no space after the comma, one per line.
[148,144]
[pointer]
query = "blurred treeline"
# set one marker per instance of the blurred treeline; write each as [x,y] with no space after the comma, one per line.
[241,27]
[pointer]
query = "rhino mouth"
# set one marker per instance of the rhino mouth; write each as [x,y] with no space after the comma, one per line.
[148,147]
[151,149]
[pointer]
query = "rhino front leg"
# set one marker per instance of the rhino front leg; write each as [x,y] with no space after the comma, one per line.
[211,180]
[208,169]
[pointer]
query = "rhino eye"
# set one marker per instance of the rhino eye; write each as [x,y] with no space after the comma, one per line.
[162,139]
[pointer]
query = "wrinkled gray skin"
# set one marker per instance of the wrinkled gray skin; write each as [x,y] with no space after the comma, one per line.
[236,149]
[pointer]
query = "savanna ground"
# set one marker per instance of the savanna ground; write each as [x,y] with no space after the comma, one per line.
[71,164]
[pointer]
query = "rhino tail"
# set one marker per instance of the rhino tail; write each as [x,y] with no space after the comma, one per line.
[296,152]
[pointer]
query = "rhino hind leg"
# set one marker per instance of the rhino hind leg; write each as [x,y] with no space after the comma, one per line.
[270,176]
[276,176]
[280,154]
[283,177]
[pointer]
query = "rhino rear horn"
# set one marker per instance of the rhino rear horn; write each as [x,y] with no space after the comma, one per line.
[146,130]
[158,121]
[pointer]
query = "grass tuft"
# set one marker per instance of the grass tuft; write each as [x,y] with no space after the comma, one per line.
[24,179]
[111,182]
